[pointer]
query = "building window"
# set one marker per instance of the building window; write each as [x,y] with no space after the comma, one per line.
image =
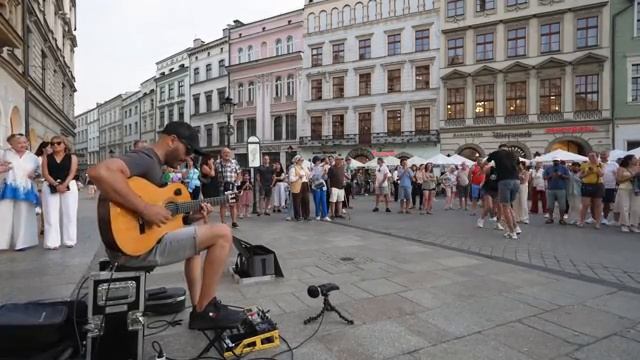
[278,89]
[291,127]
[222,93]
[517,42]
[587,92]
[278,47]
[394,80]
[316,89]
[455,51]
[209,71]
[422,120]
[240,55]
[316,56]
[455,8]
[43,69]
[635,83]
[587,35]
[364,49]
[484,47]
[196,75]
[393,45]
[221,69]
[209,132]
[550,38]
[170,114]
[181,88]
[484,100]
[422,77]
[364,82]
[338,53]
[208,102]
[251,93]
[337,126]
[637,12]
[484,5]
[516,2]
[240,94]
[249,53]
[338,87]
[162,93]
[240,131]
[251,127]
[289,44]
[171,91]
[291,88]
[455,103]
[196,104]
[422,40]
[181,113]
[550,94]
[517,98]
[394,122]
[277,128]
[316,127]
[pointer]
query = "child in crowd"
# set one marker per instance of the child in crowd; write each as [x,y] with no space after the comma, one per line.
[246,195]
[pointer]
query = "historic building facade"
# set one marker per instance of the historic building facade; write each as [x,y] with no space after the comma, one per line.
[532,74]
[264,75]
[93,136]
[208,89]
[370,78]
[110,127]
[147,110]
[625,25]
[172,89]
[81,143]
[130,120]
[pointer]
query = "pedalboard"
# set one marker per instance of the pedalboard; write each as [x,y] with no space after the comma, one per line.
[256,332]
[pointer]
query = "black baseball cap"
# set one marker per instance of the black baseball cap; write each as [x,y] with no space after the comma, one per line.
[186,134]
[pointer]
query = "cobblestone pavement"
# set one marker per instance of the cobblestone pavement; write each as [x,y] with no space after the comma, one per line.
[607,256]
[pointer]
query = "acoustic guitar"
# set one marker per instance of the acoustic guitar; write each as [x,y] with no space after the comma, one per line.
[126,232]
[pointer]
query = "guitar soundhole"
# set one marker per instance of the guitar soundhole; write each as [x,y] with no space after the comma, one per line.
[177,192]
[141,226]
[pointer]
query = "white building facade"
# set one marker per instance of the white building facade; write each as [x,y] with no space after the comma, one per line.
[208,88]
[131,120]
[531,74]
[148,110]
[370,79]
[111,125]
[93,137]
[172,89]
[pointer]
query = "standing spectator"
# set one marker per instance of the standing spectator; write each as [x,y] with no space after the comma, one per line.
[43,150]
[299,179]
[506,164]
[209,185]
[18,195]
[245,190]
[556,177]
[396,183]
[448,181]
[405,176]
[574,194]
[382,185]
[192,178]
[336,177]
[279,187]
[349,170]
[592,189]
[489,193]
[521,205]
[139,144]
[610,170]
[416,189]
[228,172]
[462,179]
[538,189]
[477,180]
[627,201]
[428,188]
[265,179]
[60,195]
[319,188]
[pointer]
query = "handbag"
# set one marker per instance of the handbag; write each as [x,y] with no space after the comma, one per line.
[53,189]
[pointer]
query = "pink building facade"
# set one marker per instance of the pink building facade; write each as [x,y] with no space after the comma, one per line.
[264,74]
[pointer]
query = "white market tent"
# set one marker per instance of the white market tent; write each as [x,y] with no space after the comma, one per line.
[616,154]
[357,164]
[417,160]
[561,155]
[461,159]
[441,160]
[635,152]
[391,161]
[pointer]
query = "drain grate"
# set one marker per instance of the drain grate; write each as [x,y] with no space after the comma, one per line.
[346,258]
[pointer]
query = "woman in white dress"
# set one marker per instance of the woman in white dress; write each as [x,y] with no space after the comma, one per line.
[18,195]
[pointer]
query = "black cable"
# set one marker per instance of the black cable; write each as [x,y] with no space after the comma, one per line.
[162,325]
[75,313]
[155,345]
[106,302]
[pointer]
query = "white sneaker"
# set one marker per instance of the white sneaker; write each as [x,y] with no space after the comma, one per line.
[317,218]
[526,222]
[634,229]
[624,229]
[546,215]
[604,222]
[288,218]
[326,219]
[493,219]
[566,216]
[499,226]
[518,230]
[514,236]
[589,221]
[480,223]
[344,211]
[613,223]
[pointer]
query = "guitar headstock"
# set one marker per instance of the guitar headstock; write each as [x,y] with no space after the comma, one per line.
[231,197]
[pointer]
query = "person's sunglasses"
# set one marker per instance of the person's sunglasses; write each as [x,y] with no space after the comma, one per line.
[188,148]
[57,143]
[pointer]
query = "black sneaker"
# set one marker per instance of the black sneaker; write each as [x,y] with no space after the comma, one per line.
[388,210]
[234,225]
[267,214]
[215,315]
[376,209]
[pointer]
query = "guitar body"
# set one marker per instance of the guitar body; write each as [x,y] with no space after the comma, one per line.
[124,231]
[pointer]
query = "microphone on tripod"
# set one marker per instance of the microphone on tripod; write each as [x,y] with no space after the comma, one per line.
[324,289]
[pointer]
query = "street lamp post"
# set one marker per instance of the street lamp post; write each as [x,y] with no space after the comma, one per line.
[229,106]
[254,156]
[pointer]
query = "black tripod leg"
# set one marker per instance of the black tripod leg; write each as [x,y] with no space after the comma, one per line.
[333,308]
[314,318]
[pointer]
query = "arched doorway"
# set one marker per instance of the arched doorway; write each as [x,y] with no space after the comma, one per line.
[570,144]
[470,151]
[361,154]
[16,121]
[521,150]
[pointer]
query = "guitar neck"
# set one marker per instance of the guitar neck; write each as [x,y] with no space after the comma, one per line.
[188,207]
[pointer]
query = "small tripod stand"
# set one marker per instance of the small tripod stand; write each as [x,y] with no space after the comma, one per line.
[328,306]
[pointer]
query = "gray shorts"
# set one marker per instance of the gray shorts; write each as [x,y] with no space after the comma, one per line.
[557,195]
[174,247]
[382,190]
[404,193]
[508,190]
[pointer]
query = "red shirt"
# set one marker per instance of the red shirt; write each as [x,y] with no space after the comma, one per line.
[477,175]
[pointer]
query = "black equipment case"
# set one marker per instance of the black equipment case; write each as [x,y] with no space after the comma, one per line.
[163,301]
[255,260]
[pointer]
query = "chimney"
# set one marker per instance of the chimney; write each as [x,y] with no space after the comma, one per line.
[197,42]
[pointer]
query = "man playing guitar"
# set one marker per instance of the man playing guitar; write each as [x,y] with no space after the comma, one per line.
[178,140]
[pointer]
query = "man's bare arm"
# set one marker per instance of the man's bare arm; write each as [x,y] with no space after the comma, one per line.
[110,177]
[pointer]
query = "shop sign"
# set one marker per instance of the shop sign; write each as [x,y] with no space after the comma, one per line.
[361,152]
[570,130]
[383,153]
[504,135]
[467,135]
[328,152]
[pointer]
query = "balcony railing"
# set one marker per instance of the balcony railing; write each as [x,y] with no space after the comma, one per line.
[587,115]
[484,120]
[516,119]
[289,98]
[277,100]
[551,117]
[421,136]
[249,103]
[452,123]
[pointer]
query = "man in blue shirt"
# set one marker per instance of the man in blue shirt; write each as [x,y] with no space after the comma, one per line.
[405,174]
[556,177]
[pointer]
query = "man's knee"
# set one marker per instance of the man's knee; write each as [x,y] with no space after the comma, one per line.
[215,234]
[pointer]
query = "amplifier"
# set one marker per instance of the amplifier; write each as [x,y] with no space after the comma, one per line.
[116,323]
